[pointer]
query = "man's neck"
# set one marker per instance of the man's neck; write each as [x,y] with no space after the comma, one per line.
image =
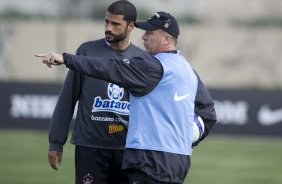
[122,45]
[167,49]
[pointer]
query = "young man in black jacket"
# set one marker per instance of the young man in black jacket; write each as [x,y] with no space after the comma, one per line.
[99,131]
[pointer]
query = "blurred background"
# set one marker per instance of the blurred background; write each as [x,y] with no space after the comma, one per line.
[235,46]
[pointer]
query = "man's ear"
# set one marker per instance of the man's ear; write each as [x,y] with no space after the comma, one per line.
[166,40]
[130,26]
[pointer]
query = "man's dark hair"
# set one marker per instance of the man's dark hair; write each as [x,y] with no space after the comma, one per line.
[125,8]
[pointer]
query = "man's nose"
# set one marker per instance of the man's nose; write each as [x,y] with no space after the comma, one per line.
[144,37]
[108,27]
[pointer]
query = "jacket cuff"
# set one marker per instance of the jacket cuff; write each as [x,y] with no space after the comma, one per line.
[65,56]
[56,147]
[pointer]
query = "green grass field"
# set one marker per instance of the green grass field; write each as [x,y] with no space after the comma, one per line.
[218,160]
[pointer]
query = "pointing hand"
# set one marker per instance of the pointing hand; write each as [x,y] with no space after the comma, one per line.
[51,58]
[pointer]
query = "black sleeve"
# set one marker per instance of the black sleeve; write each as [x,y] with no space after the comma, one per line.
[61,119]
[204,107]
[139,75]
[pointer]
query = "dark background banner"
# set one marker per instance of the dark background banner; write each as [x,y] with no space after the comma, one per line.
[255,112]
[27,105]
[244,112]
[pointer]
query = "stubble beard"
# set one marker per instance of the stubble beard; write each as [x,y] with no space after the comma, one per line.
[116,38]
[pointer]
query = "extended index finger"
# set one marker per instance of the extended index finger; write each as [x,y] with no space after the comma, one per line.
[41,55]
